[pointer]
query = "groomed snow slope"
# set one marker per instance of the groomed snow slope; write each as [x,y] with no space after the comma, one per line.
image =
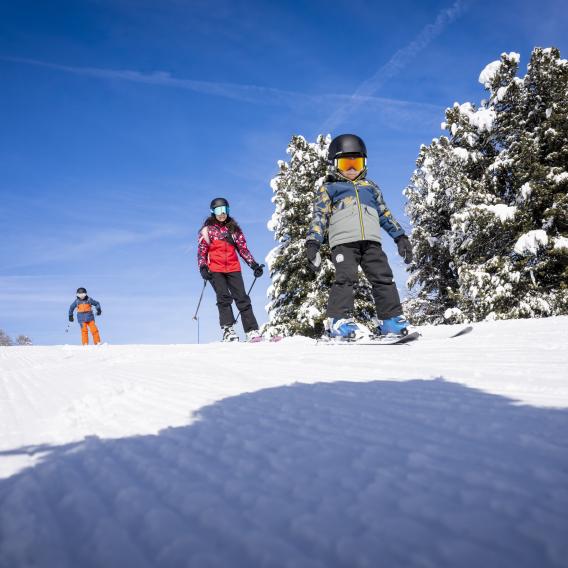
[440,453]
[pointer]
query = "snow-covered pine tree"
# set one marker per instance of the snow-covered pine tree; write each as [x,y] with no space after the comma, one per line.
[23,340]
[490,228]
[5,340]
[482,224]
[297,298]
[539,164]
[445,190]
[445,180]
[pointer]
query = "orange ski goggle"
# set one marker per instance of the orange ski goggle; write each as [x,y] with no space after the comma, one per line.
[351,162]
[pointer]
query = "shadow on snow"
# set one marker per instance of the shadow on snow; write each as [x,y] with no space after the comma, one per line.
[384,473]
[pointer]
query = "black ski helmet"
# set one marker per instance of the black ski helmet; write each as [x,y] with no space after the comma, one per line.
[346,144]
[81,290]
[219,202]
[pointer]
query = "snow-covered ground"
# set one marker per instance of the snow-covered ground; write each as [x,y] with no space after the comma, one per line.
[440,453]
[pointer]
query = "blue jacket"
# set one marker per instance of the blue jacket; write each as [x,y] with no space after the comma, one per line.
[84,310]
[350,211]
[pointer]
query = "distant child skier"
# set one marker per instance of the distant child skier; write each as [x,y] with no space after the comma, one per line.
[85,316]
[220,239]
[350,210]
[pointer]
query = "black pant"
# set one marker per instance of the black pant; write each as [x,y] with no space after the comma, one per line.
[346,259]
[230,286]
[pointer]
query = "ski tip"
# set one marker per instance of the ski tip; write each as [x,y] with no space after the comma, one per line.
[463,331]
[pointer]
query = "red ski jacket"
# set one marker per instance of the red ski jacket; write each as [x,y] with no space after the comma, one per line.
[215,251]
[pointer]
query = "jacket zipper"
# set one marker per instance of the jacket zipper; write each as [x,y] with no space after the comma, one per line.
[360,210]
[226,256]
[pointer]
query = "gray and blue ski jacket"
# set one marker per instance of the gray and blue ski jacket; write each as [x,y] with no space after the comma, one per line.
[350,211]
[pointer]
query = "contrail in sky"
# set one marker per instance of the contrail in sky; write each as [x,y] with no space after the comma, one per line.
[396,63]
[240,92]
[253,94]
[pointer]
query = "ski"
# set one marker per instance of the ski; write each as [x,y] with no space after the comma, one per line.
[260,339]
[431,337]
[461,332]
[386,340]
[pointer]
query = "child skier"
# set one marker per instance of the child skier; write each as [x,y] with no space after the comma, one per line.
[350,209]
[220,239]
[85,316]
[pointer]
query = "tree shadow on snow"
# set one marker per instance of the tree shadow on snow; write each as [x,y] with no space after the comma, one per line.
[385,473]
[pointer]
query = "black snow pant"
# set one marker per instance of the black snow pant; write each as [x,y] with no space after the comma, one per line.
[346,259]
[230,286]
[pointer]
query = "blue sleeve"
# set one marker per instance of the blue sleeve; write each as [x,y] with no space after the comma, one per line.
[386,219]
[321,215]
[72,307]
[95,303]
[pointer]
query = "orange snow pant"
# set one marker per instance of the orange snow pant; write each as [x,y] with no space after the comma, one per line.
[85,332]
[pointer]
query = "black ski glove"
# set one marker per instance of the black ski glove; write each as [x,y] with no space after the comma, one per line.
[313,255]
[71,318]
[257,269]
[205,272]
[99,311]
[404,248]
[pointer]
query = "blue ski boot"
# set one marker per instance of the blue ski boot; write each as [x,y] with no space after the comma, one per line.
[398,325]
[346,328]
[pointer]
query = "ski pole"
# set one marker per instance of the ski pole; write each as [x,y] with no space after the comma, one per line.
[248,293]
[200,298]
[68,326]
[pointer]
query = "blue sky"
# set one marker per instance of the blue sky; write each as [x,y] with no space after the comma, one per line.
[121,119]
